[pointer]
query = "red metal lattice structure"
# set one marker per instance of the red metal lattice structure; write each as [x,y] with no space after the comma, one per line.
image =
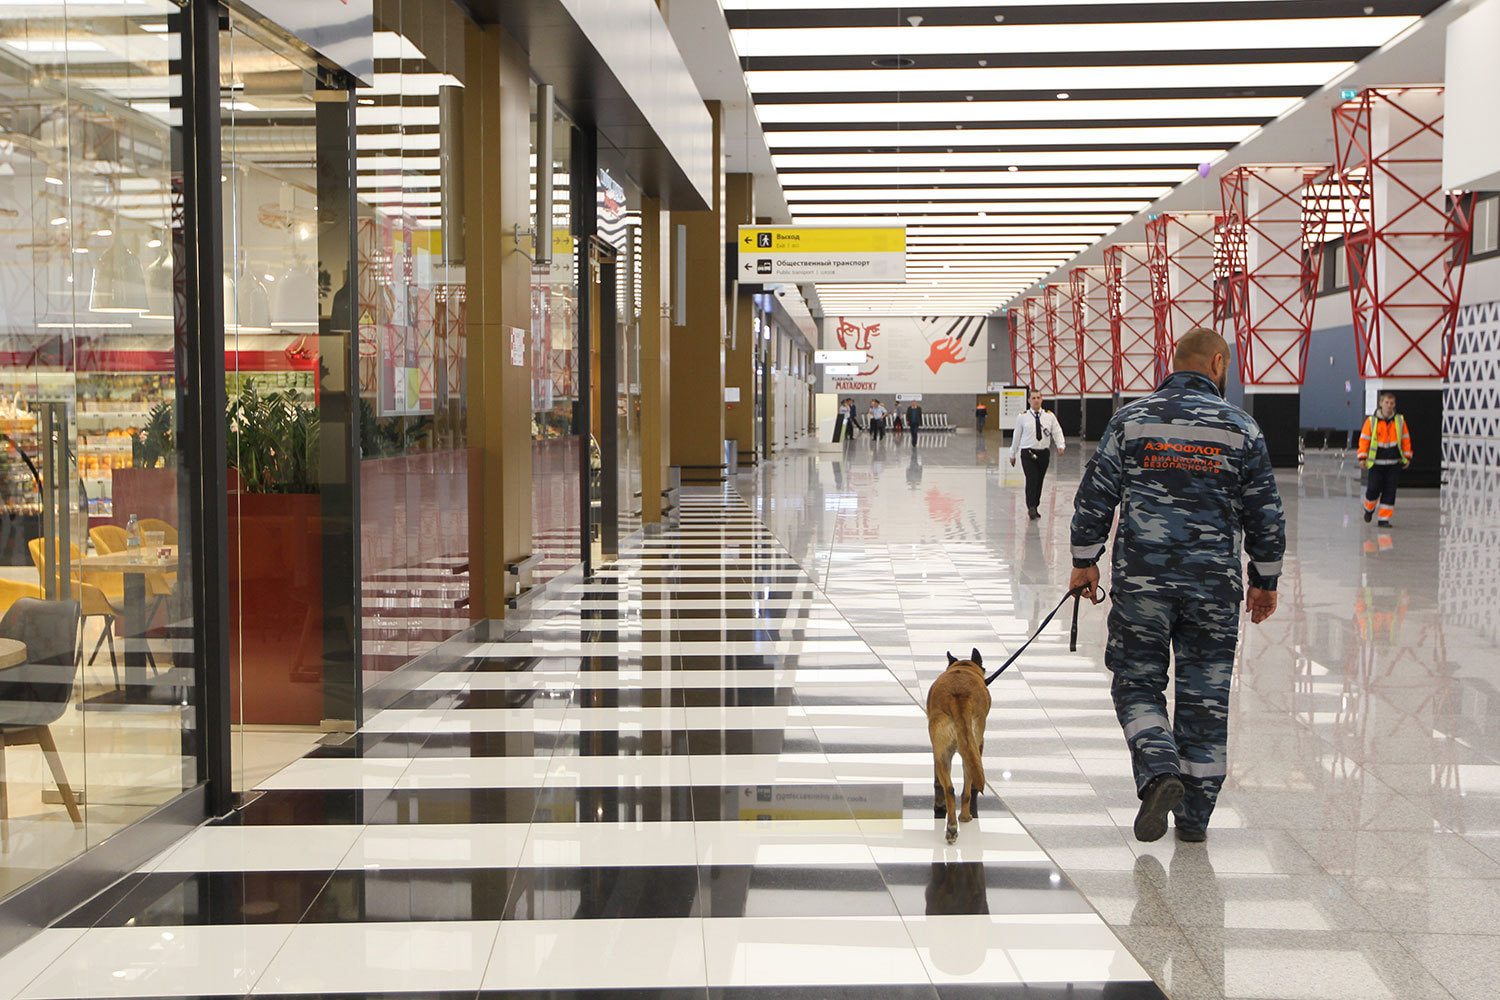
[1270,248]
[1096,353]
[1038,349]
[1132,320]
[1406,239]
[1184,293]
[1020,364]
[1067,348]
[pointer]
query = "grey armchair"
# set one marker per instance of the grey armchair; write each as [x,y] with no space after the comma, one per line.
[34,694]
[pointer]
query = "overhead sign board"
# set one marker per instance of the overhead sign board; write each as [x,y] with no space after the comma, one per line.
[841,370]
[822,254]
[838,357]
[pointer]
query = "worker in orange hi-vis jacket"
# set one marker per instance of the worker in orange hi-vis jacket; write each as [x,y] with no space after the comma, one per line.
[1385,449]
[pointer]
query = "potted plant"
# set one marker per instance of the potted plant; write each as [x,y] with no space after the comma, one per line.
[275,559]
[149,487]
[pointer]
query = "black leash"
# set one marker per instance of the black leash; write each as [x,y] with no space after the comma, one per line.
[1077,595]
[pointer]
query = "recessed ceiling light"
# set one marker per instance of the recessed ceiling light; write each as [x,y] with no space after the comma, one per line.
[984,62]
[915,20]
[1013,167]
[893,62]
[999,18]
[1063,95]
[104,232]
[53,180]
[153,243]
[59,221]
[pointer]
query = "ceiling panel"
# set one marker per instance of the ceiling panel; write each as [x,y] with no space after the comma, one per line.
[1009,137]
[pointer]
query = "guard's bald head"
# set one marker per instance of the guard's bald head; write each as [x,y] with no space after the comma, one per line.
[1196,350]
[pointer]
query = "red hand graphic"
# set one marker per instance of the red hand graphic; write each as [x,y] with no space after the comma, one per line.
[943,352]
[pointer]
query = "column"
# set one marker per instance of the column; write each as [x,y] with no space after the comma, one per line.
[497,179]
[698,330]
[656,358]
[743,353]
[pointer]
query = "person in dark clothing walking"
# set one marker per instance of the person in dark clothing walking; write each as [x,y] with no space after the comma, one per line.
[914,421]
[1192,478]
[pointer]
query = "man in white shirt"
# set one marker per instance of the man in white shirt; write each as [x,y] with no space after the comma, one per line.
[877,421]
[1037,430]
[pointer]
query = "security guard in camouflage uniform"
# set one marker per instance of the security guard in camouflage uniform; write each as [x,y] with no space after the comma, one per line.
[1190,473]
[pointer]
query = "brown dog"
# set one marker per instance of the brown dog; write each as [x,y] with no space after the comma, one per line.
[958,704]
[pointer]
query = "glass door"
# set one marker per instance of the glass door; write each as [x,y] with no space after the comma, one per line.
[97,659]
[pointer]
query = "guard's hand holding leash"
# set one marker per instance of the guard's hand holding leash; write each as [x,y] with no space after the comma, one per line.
[1086,583]
[1076,592]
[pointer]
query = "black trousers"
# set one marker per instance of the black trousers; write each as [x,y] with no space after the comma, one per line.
[1381,485]
[877,430]
[1034,463]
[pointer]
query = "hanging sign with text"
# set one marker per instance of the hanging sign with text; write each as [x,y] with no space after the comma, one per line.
[822,254]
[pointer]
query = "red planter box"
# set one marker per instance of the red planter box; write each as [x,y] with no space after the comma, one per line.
[276,608]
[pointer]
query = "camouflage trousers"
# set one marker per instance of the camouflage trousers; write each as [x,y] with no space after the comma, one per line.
[1144,631]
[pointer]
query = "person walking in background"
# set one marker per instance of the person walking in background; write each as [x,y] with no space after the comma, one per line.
[914,421]
[1037,430]
[896,422]
[980,412]
[1385,449]
[877,421]
[1191,476]
[850,420]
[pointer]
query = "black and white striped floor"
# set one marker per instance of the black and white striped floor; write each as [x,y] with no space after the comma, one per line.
[687,777]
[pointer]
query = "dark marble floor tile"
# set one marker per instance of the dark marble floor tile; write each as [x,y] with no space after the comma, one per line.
[794,891]
[368,745]
[867,741]
[592,893]
[92,911]
[164,899]
[553,699]
[308,807]
[540,743]
[437,700]
[609,805]
[796,801]
[638,743]
[653,697]
[1121,990]
[660,993]
[756,741]
[505,664]
[421,995]
[413,894]
[457,805]
[717,697]
[912,991]
[972,887]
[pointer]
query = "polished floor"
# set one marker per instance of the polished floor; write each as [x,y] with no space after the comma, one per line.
[1356,850]
[705,774]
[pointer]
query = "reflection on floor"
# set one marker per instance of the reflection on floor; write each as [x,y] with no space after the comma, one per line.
[1356,850]
[692,780]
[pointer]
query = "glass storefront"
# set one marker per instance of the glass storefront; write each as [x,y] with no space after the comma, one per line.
[96,728]
[556,533]
[413,351]
[339,219]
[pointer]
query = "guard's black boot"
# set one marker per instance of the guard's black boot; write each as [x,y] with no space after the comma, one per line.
[1369,514]
[1161,796]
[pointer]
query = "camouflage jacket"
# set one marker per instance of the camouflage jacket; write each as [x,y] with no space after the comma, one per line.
[1190,474]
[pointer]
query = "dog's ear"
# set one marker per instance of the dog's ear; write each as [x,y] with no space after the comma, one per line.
[952,659]
[974,655]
